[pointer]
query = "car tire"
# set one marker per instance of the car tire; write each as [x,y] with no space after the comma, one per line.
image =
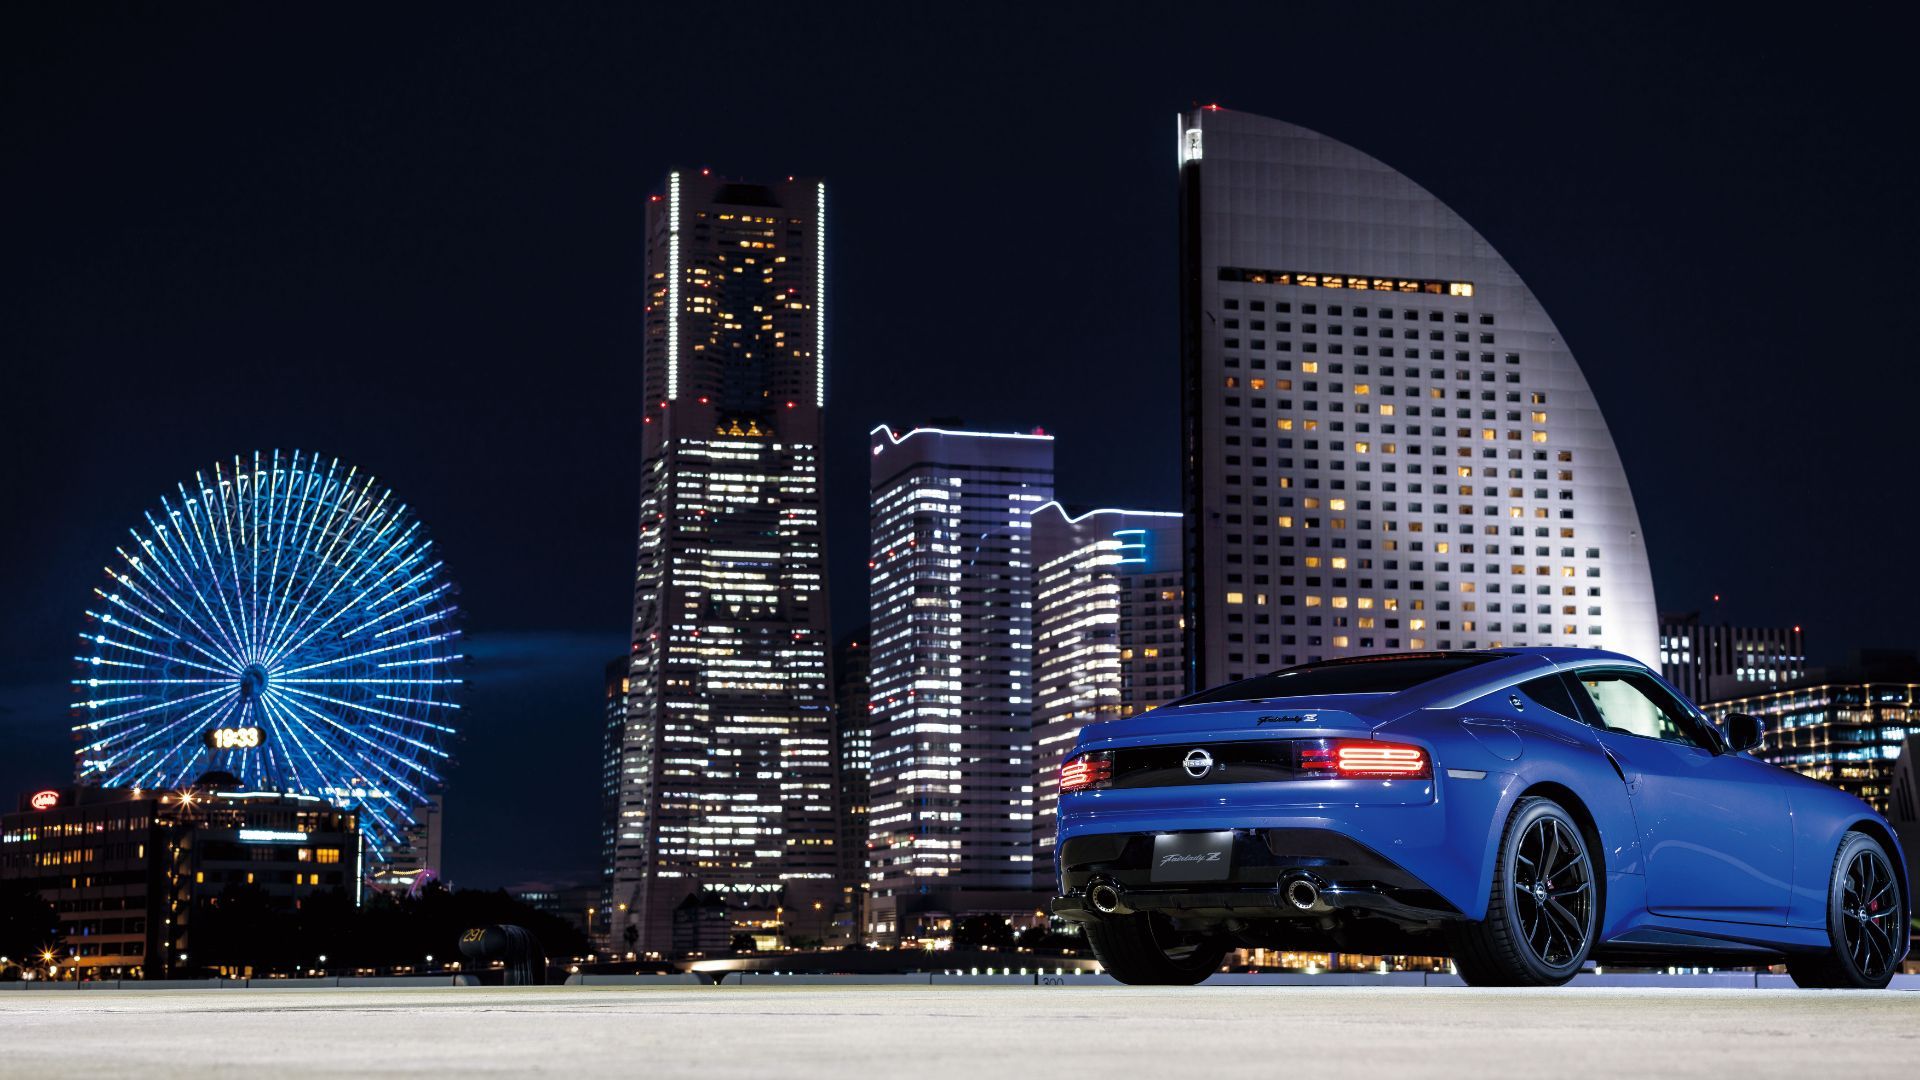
[1866,922]
[1539,927]
[1143,949]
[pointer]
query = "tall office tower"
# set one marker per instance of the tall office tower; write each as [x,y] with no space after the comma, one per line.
[1106,630]
[1709,663]
[853,750]
[950,831]
[1388,445]
[600,926]
[727,784]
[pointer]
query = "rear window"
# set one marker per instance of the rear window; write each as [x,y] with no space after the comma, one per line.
[1359,675]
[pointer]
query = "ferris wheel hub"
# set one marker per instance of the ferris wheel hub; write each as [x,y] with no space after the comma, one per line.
[253,681]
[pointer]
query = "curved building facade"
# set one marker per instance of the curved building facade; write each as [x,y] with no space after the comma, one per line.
[1389,446]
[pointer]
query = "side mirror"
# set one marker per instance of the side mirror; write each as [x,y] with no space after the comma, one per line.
[1744,732]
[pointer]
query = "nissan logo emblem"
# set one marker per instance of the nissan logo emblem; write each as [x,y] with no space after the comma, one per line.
[1197,763]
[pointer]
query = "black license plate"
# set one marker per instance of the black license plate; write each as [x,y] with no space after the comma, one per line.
[1206,856]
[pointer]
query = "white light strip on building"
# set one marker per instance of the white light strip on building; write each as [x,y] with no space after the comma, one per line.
[898,439]
[820,300]
[673,286]
[271,836]
[1071,519]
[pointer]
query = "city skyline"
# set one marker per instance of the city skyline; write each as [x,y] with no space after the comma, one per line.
[505,349]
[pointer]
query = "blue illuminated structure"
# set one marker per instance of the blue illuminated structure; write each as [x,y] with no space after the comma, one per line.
[283,620]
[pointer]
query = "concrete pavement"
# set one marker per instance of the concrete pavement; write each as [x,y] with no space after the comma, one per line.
[934,1032]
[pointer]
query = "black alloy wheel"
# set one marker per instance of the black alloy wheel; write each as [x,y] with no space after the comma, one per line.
[1866,922]
[1544,907]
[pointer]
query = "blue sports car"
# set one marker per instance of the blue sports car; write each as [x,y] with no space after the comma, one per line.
[1522,811]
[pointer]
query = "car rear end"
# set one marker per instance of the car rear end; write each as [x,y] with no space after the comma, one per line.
[1286,808]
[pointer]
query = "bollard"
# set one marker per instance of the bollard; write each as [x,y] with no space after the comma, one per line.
[526,963]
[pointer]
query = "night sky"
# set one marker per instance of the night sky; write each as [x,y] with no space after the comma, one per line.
[411,237]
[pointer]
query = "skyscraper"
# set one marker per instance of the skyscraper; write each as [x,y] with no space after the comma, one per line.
[727,774]
[1709,662]
[951,822]
[1388,445]
[613,720]
[1107,634]
[853,750]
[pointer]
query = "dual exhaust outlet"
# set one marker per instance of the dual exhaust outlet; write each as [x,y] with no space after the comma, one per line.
[1300,891]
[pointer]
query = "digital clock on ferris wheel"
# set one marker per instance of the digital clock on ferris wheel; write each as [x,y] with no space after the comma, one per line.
[235,738]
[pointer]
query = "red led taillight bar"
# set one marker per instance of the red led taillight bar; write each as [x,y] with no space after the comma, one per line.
[1085,771]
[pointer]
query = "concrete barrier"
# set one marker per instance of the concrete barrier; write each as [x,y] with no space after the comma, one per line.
[1079,978]
[1730,980]
[1328,978]
[760,978]
[409,980]
[686,979]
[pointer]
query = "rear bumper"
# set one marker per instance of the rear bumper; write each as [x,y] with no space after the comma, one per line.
[1345,875]
[1433,835]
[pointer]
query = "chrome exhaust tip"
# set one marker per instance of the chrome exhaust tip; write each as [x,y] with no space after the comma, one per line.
[1106,898]
[1303,894]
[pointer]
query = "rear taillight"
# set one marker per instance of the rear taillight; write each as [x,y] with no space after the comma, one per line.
[1367,760]
[1087,770]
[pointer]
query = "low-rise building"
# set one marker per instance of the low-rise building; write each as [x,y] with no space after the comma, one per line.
[126,869]
[1846,727]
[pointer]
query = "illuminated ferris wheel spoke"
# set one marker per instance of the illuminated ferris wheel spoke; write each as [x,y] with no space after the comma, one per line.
[147,710]
[119,602]
[338,748]
[167,746]
[161,734]
[441,615]
[285,735]
[353,731]
[309,510]
[196,538]
[361,706]
[310,605]
[417,602]
[364,654]
[104,642]
[230,572]
[358,601]
[250,500]
[239,554]
[284,619]
[287,503]
[174,540]
[164,599]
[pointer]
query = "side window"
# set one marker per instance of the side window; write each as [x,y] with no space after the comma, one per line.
[1634,704]
[1551,691]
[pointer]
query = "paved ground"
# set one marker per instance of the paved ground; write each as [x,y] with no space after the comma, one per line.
[991,1032]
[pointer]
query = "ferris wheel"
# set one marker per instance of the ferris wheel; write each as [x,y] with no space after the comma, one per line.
[284,620]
